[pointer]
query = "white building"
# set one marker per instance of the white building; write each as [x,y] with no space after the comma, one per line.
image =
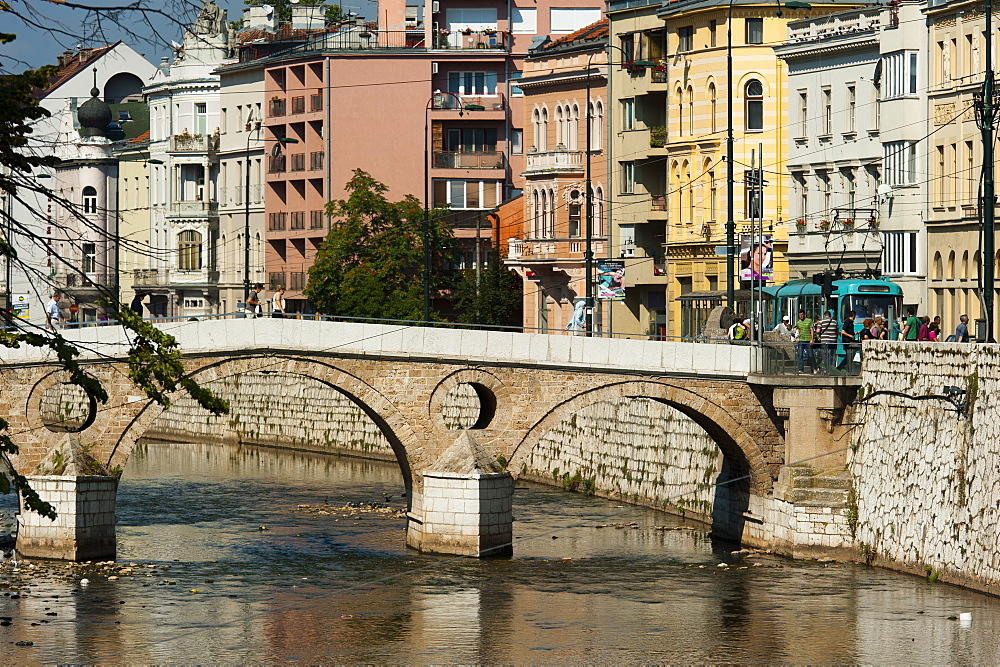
[58,249]
[859,195]
[183,96]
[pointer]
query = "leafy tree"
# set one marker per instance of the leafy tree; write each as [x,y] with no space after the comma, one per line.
[494,299]
[371,263]
[154,360]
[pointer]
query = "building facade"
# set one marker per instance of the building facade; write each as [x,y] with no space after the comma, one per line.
[564,84]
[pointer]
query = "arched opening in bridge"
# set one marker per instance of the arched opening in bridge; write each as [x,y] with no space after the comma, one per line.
[67,408]
[469,405]
[645,451]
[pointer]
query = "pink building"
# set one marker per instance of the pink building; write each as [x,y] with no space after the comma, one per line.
[425,100]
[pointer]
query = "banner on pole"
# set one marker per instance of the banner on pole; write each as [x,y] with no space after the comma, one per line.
[756,257]
[611,279]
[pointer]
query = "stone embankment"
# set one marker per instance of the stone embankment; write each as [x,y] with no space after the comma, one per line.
[927,478]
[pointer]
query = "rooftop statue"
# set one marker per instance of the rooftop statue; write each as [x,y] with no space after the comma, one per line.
[211,20]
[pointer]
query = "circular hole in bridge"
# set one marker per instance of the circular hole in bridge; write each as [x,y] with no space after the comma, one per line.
[469,405]
[67,407]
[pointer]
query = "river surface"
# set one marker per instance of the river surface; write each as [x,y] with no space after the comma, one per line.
[208,585]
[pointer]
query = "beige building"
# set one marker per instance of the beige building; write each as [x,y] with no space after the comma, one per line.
[954,158]
[547,245]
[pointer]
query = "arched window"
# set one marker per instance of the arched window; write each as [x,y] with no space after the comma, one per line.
[536,129]
[597,137]
[545,130]
[679,94]
[713,101]
[574,129]
[544,218]
[754,92]
[597,213]
[224,259]
[938,267]
[690,100]
[536,215]
[965,265]
[189,251]
[951,265]
[977,260]
[552,215]
[89,200]
[560,127]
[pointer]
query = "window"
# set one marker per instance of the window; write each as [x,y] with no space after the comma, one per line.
[89,200]
[685,38]
[713,196]
[628,177]
[596,133]
[827,111]
[223,120]
[316,102]
[567,19]
[316,220]
[299,104]
[515,91]
[460,194]
[574,220]
[525,21]
[713,103]
[850,183]
[900,74]
[89,258]
[276,221]
[472,83]
[803,113]
[316,161]
[852,108]
[201,118]
[754,106]
[899,162]
[476,18]
[189,251]
[298,220]
[755,31]
[628,114]
[713,31]
[899,253]
[516,141]
[298,161]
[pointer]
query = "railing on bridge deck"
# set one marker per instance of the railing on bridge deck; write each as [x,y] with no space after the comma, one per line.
[788,358]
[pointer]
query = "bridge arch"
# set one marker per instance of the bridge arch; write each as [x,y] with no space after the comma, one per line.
[738,445]
[390,422]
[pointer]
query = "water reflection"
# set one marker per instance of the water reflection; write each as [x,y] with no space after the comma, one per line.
[303,589]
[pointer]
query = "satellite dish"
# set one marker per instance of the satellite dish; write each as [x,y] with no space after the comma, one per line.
[884,190]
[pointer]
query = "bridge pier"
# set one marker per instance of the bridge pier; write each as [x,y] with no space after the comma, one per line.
[464,505]
[84,528]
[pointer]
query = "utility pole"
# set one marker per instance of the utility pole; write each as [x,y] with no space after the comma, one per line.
[987,113]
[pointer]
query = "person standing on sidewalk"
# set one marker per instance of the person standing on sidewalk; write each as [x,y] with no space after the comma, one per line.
[826,333]
[253,301]
[278,302]
[804,346]
[962,330]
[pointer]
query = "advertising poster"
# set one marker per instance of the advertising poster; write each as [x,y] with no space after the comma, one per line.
[611,279]
[19,305]
[756,257]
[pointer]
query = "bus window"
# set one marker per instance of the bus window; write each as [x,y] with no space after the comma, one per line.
[865,306]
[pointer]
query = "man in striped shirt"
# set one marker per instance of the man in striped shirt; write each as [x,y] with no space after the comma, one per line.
[825,333]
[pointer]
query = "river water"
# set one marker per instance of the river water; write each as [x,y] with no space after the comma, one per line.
[320,584]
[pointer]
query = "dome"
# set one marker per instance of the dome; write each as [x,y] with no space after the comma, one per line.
[94,116]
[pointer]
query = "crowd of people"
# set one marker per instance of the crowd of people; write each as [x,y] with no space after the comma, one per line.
[817,340]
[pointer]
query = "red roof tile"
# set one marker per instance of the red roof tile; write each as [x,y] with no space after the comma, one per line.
[593,32]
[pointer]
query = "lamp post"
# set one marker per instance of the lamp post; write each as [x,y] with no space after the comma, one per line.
[246,204]
[588,255]
[987,122]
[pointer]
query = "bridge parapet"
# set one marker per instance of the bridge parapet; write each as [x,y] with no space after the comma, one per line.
[312,337]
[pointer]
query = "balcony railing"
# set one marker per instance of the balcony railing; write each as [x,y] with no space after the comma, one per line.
[658,75]
[276,280]
[150,277]
[841,23]
[468,160]
[196,143]
[554,162]
[277,164]
[193,208]
[276,107]
[468,102]
[297,281]
[473,39]
[658,202]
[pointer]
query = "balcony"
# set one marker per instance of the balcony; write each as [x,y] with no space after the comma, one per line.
[456,102]
[833,25]
[193,208]
[658,75]
[473,39]
[150,277]
[554,162]
[277,164]
[468,160]
[194,143]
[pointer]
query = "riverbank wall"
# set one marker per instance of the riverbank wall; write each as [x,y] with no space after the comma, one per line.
[926,473]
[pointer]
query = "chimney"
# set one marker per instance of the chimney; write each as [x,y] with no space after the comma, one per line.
[392,13]
[65,59]
[308,17]
[85,54]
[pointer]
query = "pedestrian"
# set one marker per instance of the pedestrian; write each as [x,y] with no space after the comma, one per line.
[922,332]
[53,316]
[253,301]
[784,328]
[136,305]
[278,302]
[962,330]
[911,328]
[934,332]
[825,331]
[880,331]
[847,337]
[804,346]
[740,329]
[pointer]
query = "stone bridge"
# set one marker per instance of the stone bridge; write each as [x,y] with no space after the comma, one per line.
[461,409]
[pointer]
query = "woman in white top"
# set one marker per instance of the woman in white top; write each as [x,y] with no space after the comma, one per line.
[278,302]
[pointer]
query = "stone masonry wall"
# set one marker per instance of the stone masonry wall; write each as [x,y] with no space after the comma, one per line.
[635,450]
[927,481]
[267,409]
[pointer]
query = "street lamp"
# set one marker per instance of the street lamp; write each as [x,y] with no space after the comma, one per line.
[588,255]
[246,204]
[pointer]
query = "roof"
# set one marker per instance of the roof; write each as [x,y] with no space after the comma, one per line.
[141,139]
[591,33]
[71,66]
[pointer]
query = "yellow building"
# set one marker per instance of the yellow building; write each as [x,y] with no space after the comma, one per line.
[133,210]
[669,149]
